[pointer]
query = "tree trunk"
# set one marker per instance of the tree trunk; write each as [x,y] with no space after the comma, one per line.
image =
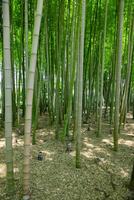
[80,83]
[118,73]
[26,39]
[8,96]
[102,70]
[129,68]
[29,98]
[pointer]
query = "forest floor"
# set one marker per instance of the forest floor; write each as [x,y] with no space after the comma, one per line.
[104,174]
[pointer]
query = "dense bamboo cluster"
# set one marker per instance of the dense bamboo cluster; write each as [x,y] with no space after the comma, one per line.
[72,59]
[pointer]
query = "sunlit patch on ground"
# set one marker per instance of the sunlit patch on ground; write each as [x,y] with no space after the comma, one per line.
[48,155]
[2,170]
[19,142]
[131,133]
[129,143]
[2,143]
[89,145]
[88,154]
[107,141]
[16,170]
[124,173]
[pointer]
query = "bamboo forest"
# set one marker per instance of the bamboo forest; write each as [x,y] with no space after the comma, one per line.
[66,99]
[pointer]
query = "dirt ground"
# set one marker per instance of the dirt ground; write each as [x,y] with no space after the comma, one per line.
[104,174]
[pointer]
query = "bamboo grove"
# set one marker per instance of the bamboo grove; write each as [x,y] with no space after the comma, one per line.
[72,59]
